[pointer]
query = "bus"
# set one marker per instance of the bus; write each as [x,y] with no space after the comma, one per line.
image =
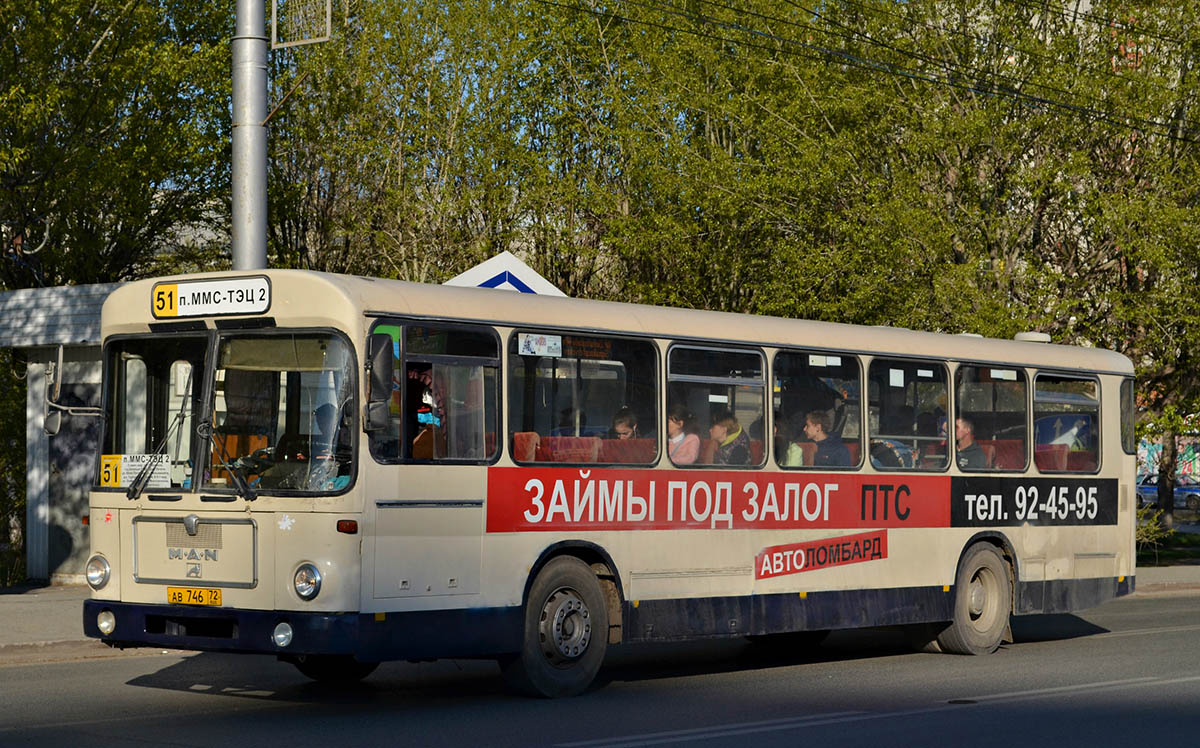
[342,471]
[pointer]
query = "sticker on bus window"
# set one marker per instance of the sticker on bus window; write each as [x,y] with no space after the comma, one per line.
[816,360]
[1004,374]
[896,377]
[529,344]
[925,373]
[119,471]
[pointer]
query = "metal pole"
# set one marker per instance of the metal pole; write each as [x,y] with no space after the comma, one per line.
[249,137]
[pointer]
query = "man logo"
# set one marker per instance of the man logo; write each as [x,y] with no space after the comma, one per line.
[193,571]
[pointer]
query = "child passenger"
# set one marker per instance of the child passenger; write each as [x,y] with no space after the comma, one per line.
[683,444]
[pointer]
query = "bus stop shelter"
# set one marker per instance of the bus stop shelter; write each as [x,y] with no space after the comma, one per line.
[58,469]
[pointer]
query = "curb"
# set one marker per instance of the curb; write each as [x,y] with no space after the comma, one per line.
[39,653]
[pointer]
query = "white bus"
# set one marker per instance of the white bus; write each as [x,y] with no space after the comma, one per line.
[342,471]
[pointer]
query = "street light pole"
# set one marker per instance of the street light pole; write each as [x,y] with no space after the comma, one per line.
[249,231]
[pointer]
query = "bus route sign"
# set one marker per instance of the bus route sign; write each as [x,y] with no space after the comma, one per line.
[209,298]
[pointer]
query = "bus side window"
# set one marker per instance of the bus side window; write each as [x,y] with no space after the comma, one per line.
[1066,423]
[721,391]
[908,415]
[991,404]
[445,399]
[451,382]
[582,399]
[817,410]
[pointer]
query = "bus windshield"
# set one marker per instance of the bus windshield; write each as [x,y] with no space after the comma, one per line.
[152,408]
[282,413]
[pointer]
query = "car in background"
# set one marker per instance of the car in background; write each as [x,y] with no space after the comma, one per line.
[1187,491]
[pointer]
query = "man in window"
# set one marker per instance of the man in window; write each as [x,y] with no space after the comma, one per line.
[830,452]
[970,455]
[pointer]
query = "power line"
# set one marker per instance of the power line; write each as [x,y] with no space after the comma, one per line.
[1047,6]
[994,41]
[871,64]
[981,76]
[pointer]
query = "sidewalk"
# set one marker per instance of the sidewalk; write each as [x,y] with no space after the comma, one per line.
[39,624]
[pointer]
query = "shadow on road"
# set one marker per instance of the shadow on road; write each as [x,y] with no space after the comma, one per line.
[261,677]
[1052,627]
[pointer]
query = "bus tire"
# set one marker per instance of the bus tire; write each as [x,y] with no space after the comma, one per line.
[566,632]
[982,603]
[334,669]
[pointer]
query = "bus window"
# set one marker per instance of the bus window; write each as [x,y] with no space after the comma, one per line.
[817,410]
[1128,418]
[723,390]
[451,382]
[283,413]
[907,415]
[446,384]
[152,404]
[582,399]
[1066,422]
[991,410]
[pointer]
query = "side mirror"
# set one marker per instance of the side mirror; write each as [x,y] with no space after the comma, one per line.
[379,382]
[52,422]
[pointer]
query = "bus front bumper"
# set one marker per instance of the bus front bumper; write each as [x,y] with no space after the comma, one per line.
[221,629]
[369,637]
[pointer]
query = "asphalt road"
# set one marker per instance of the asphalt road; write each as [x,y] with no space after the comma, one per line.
[1123,674]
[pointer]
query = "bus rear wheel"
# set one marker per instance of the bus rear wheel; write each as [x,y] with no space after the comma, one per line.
[982,603]
[334,669]
[566,632]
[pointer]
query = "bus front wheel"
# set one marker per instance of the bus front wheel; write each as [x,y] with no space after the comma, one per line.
[566,632]
[982,603]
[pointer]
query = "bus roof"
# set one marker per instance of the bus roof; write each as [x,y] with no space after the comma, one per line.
[306,298]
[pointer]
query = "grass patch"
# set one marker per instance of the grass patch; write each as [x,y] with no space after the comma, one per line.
[1173,548]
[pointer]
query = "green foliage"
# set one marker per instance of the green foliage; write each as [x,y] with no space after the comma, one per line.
[1151,533]
[114,117]
[12,471]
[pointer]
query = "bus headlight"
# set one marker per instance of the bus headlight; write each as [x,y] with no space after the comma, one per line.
[106,622]
[97,571]
[307,581]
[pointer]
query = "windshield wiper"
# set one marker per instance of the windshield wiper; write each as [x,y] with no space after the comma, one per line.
[204,429]
[143,477]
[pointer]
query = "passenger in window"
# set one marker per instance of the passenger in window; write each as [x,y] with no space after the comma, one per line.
[830,452]
[683,443]
[788,451]
[970,454]
[733,444]
[625,424]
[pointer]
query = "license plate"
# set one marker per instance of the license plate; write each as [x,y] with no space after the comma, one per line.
[193,596]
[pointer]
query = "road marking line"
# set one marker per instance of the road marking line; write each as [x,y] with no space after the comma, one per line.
[1143,632]
[834,718]
[736,728]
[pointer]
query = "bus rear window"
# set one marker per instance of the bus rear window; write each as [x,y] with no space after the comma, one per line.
[1066,423]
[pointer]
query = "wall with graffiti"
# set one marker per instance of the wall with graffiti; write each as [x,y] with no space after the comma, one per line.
[1188,456]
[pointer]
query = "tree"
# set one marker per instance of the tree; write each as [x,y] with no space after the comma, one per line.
[114,120]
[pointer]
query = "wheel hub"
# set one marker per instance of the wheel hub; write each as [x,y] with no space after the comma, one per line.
[566,627]
[978,599]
